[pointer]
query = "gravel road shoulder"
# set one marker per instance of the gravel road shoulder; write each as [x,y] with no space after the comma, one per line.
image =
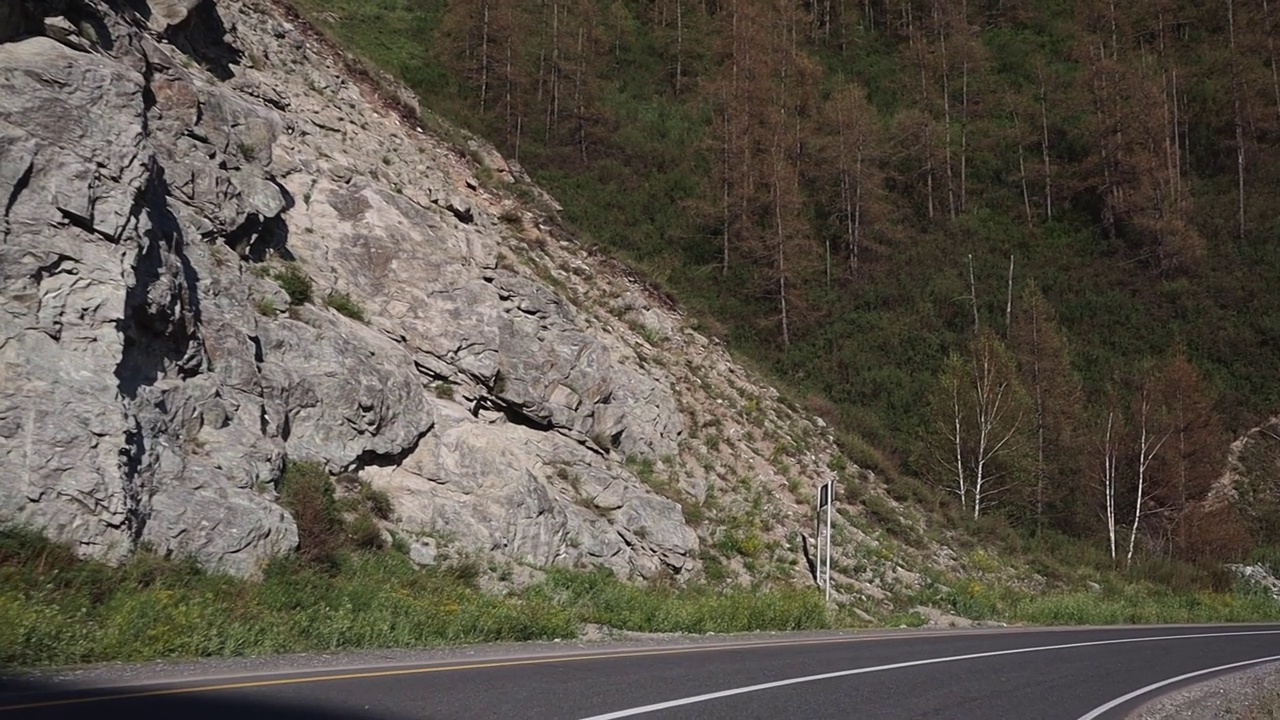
[1252,694]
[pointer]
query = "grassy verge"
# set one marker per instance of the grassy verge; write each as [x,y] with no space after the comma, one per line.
[1130,603]
[56,609]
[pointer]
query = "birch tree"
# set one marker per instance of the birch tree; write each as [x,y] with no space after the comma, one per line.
[1108,473]
[979,411]
[1152,433]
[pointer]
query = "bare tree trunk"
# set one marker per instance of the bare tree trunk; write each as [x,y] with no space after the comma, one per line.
[1148,447]
[1169,144]
[1109,455]
[679,44]
[777,208]
[553,102]
[542,72]
[780,249]
[729,104]
[973,295]
[579,106]
[1177,147]
[1271,53]
[961,478]
[1044,150]
[924,97]
[506,100]
[964,136]
[724,257]
[1238,118]
[484,56]
[846,203]
[1008,307]
[1115,43]
[946,110]
[1022,169]
[1104,121]
[857,212]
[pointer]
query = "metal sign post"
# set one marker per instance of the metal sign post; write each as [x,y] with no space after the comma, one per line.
[831,500]
[817,535]
[826,498]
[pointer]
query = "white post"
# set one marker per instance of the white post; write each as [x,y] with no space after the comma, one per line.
[831,500]
[817,540]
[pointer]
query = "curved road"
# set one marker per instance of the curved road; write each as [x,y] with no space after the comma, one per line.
[1041,673]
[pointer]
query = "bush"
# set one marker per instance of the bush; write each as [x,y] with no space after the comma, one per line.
[295,283]
[365,533]
[378,501]
[266,307]
[307,493]
[343,303]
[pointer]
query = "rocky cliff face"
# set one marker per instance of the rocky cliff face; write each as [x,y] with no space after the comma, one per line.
[219,251]
[1252,478]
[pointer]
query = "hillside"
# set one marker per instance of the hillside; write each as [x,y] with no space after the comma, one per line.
[284,344]
[270,342]
[851,193]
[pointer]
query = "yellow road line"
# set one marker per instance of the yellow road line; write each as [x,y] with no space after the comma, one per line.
[451,668]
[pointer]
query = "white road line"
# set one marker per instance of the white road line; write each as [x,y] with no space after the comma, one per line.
[1098,711]
[631,712]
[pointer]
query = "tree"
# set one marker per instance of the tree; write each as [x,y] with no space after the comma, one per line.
[1135,167]
[1150,422]
[979,409]
[481,43]
[764,93]
[848,164]
[1195,452]
[1107,472]
[1044,367]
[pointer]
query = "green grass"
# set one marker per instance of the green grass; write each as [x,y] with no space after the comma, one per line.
[1124,603]
[598,597]
[58,610]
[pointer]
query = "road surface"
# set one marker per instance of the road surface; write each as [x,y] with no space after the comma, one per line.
[958,675]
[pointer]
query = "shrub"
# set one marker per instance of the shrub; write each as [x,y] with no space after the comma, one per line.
[377,501]
[295,283]
[365,533]
[343,303]
[443,389]
[307,493]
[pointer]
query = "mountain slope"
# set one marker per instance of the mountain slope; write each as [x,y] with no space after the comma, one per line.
[234,262]
[849,193]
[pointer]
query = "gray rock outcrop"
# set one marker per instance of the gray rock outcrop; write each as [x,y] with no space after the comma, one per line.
[147,395]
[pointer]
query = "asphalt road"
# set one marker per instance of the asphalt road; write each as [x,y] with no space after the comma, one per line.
[1058,673]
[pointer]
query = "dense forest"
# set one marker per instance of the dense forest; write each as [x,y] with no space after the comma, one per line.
[1023,250]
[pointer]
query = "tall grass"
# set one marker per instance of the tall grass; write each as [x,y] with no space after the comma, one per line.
[56,609]
[1131,603]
